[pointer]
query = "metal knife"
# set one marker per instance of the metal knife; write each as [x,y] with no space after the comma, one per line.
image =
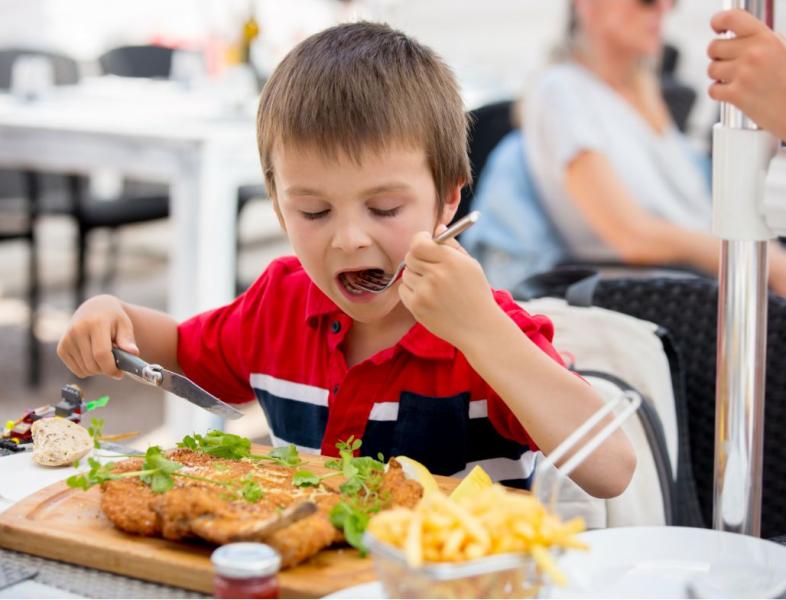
[179,385]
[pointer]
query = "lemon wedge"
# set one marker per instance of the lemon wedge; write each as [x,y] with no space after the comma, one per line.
[418,472]
[476,481]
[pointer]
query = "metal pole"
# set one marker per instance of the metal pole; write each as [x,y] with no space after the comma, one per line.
[742,347]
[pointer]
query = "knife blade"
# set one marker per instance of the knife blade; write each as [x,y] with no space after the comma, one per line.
[179,385]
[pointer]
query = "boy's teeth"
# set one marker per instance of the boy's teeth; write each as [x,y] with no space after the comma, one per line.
[349,284]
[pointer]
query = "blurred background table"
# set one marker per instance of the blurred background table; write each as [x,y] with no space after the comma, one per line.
[203,146]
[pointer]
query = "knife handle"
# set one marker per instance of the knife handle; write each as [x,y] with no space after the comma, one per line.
[136,366]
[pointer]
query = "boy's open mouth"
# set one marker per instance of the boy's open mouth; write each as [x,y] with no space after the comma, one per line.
[352,280]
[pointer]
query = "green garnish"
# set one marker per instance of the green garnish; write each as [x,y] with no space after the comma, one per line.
[309,479]
[229,445]
[96,430]
[159,472]
[219,444]
[285,456]
[352,518]
[251,491]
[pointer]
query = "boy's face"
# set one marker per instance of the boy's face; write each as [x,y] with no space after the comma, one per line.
[342,216]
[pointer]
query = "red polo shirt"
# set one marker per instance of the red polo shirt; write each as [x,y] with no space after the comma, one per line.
[280,343]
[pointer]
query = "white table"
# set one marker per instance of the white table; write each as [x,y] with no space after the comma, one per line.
[155,132]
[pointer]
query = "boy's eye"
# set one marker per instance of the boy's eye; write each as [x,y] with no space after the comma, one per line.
[389,212]
[311,216]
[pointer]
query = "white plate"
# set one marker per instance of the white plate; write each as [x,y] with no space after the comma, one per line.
[660,562]
[657,562]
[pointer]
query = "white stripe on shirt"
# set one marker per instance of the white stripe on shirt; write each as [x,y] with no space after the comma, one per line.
[501,469]
[289,389]
[278,442]
[388,411]
[478,409]
[384,411]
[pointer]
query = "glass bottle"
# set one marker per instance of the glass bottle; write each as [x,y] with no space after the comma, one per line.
[245,570]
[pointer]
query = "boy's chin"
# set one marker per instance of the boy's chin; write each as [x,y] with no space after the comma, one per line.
[370,312]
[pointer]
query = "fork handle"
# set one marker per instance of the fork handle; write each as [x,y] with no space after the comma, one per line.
[458,227]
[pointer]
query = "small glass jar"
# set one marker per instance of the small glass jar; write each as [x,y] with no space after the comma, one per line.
[245,570]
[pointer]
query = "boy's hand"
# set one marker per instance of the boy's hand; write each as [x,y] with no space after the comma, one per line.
[750,69]
[97,325]
[445,289]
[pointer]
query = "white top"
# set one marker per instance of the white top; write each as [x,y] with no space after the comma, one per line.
[570,110]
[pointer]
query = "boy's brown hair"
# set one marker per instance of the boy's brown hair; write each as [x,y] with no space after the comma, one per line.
[364,86]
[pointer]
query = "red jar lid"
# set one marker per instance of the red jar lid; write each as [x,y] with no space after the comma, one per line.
[245,559]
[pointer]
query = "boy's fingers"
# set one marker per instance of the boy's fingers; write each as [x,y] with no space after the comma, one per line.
[415,266]
[102,351]
[740,22]
[424,248]
[74,362]
[722,70]
[86,353]
[720,92]
[453,243]
[124,336]
[726,49]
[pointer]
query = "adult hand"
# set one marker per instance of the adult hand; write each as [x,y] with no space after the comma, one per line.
[97,325]
[749,70]
[445,289]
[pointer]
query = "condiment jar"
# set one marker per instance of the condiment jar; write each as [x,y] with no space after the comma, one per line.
[245,570]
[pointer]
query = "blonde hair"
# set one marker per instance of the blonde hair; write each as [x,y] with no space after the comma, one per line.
[365,86]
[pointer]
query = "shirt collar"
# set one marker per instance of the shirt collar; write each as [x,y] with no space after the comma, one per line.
[418,341]
[318,304]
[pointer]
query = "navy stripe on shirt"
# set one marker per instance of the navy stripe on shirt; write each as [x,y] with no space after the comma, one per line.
[444,433]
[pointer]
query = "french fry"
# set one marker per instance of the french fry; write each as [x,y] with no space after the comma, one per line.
[413,546]
[492,521]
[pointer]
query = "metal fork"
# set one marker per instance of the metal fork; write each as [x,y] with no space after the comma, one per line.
[377,281]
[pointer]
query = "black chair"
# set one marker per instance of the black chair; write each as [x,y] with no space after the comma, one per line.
[24,195]
[488,125]
[145,201]
[18,216]
[687,307]
[678,96]
[154,62]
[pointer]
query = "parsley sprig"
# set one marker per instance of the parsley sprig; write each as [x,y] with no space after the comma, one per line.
[229,445]
[360,497]
[96,430]
[159,472]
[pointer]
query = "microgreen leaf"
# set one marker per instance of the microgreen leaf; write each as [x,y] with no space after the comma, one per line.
[305,479]
[96,430]
[251,491]
[352,520]
[286,456]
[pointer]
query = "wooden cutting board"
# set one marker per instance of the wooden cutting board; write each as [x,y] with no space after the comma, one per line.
[66,524]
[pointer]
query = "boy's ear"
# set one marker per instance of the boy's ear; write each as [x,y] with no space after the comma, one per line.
[449,208]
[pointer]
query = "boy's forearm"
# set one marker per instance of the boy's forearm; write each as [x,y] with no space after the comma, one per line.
[549,401]
[156,335]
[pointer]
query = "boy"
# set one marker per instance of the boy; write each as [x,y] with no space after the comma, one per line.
[362,139]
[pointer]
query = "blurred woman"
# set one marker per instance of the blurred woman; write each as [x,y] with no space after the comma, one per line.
[616,177]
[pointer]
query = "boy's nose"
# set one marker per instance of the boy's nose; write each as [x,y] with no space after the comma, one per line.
[350,236]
